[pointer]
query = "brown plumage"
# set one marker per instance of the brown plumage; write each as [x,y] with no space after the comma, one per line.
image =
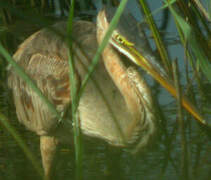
[44,57]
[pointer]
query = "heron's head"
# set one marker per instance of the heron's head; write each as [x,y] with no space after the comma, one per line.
[128,39]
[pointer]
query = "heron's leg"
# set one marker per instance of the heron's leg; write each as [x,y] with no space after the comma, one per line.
[48,149]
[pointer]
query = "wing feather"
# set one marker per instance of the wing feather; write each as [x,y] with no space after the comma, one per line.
[50,73]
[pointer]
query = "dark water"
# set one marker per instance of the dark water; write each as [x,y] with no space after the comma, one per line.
[160,161]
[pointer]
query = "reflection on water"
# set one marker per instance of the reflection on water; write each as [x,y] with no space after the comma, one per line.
[101,161]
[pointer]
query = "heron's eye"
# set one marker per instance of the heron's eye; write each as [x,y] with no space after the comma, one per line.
[123,41]
[119,38]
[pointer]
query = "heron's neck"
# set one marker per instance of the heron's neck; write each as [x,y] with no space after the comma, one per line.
[118,73]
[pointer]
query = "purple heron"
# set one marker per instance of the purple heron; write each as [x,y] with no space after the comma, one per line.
[44,57]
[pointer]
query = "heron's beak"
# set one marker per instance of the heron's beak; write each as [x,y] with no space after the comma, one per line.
[159,75]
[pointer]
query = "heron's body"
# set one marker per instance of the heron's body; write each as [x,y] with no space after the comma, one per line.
[115,106]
